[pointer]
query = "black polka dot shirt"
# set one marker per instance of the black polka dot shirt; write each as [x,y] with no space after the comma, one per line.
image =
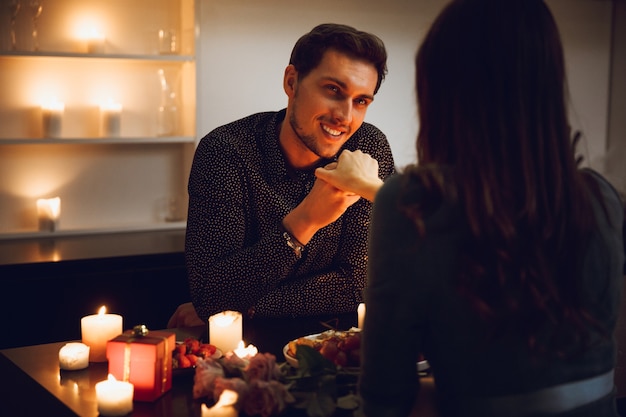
[240,189]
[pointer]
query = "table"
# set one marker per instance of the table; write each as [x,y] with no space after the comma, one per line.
[34,385]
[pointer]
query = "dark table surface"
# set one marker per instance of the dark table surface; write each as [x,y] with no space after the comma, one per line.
[33,384]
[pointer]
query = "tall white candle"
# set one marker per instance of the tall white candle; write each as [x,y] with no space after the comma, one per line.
[48,213]
[74,356]
[110,118]
[115,398]
[361,314]
[52,119]
[97,330]
[225,330]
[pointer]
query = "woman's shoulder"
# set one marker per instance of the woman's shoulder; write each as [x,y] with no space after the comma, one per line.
[611,199]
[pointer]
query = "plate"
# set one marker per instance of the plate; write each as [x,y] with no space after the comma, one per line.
[291,360]
[184,371]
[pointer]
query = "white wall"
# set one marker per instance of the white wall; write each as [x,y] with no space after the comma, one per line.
[245,46]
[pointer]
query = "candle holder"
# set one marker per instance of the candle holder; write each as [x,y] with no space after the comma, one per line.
[110,119]
[52,119]
[48,213]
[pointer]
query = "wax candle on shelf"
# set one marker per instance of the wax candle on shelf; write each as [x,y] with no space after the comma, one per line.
[110,118]
[115,398]
[361,314]
[48,213]
[97,330]
[52,118]
[74,356]
[96,42]
[225,330]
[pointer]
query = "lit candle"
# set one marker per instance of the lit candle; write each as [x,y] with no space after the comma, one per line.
[110,118]
[48,213]
[74,356]
[224,407]
[361,313]
[97,330]
[115,398]
[95,42]
[52,118]
[245,352]
[225,330]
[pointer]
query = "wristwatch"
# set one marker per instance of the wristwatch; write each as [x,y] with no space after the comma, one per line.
[293,243]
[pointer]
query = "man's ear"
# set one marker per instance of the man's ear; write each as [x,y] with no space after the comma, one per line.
[290,79]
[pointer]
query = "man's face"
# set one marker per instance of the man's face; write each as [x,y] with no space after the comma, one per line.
[326,107]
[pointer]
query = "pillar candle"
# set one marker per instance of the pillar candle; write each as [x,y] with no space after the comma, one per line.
[97,330]
[48,213]
[74,356]
[225,330]
[110,119]
[115,398]
[52,119]
[361,314]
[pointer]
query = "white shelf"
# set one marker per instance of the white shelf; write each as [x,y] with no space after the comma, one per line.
[98,141]
[139,57]
[30,234]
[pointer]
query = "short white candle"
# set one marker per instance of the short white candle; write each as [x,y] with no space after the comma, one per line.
[225,330]
[74,356]
[52,118]
[110,118]
[361,313]
[115,398]
[96,42]
[97,330]
[48,213]
[224,407]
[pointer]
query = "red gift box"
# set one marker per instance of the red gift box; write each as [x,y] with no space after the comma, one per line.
[143,358]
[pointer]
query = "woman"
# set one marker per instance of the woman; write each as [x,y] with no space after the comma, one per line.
[494,256]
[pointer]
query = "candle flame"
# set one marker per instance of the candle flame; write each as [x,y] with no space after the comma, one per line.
[102,310]
[111,378]
[245,352]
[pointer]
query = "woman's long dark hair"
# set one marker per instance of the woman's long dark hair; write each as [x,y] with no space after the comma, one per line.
[491,92]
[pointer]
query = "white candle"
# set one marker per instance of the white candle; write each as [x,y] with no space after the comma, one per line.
[52,118]
[225,330]
[96,42]
[110,118]
[74,356]
[361,313]
[48,213]
[224,407]
[97,330]
[115,398]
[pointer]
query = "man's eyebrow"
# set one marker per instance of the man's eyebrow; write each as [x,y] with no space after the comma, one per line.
[345,86]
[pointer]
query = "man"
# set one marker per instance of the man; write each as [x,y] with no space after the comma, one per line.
[264,237]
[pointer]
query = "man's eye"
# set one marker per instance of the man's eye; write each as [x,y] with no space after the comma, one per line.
[362,102]
[333,88]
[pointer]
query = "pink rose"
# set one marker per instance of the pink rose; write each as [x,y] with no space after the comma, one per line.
[207,371]
[262,367]
[266,398]
[234,384]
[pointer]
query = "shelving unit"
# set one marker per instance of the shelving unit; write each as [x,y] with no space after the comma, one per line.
[107,182]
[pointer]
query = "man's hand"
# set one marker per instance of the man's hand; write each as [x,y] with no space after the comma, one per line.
[354,172]
[185,316]
[322,206]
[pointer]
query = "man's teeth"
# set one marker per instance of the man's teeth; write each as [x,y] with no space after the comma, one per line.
[331,131]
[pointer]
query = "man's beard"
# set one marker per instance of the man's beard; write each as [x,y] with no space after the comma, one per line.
[307,140]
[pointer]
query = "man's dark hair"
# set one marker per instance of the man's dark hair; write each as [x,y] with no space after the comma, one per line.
[310,48]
